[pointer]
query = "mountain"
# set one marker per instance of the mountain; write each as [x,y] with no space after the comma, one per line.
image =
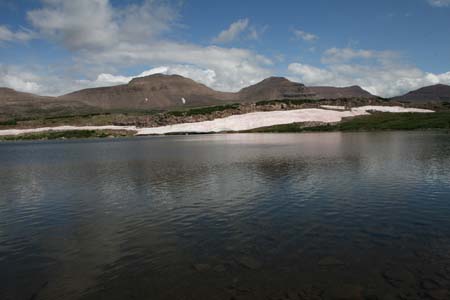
[24,105]
[274,88]
[328,92]
[160,91]
[10,96]
[434,93]
[151,92]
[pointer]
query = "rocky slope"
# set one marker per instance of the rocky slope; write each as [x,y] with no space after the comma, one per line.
[274,88]
[328,92]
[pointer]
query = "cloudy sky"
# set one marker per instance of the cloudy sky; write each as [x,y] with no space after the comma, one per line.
[388,47]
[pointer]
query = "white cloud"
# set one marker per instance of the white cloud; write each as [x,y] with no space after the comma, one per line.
[18,79]
[233,32]
[255,33]
[439,3]
[378,73]
[130,36]
[95,24]
[7,35]
[308,37]
[343,55]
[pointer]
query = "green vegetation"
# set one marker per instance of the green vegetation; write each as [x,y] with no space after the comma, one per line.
[203,110]
[94,119]
[70,134]
[374,122]
[285,101]
[8,123]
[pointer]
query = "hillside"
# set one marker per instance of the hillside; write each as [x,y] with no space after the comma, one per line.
[152,92]
[434,93]
[328,92]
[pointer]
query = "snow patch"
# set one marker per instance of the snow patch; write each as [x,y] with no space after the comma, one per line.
[336,107]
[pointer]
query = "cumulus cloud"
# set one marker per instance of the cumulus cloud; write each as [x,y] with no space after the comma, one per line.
[439,3]
[96,25]
[134,35]
[308,37]
[39,81]
[19,79]
[7,35]
[378,72]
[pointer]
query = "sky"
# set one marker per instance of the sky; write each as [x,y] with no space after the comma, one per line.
[388,47]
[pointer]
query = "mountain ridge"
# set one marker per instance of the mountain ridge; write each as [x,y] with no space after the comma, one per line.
[160,92]
[431,93]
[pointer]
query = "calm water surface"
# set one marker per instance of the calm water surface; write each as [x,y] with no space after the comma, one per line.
[301,216]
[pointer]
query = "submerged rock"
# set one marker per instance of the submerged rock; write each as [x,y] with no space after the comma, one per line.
[344,292]
[398,278]
[439,294]
[202,267]
[249,262]
[330,261]
[220,268]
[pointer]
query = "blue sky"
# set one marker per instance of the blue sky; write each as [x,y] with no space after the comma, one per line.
[387,46]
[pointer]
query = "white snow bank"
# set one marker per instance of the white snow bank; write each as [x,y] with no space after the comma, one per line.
[265,119]
[254,120]
[239,122]
[336,107]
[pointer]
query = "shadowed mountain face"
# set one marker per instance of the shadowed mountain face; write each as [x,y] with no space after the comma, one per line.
[167,91]
[328,92]
[434,93]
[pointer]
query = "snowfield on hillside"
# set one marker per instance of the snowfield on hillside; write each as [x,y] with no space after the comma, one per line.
[240,122]
[265,119]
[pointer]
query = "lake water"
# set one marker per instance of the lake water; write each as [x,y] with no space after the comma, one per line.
[259,216]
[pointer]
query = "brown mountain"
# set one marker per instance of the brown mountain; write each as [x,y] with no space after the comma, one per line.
[163,92]
[434,93]
[151,92]
[24,105]
[10,96]
[328,92]
[274,88]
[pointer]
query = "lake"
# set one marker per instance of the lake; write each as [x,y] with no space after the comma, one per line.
[239,216]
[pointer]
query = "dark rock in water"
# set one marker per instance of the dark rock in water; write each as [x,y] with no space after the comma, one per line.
[220,268]
[439,294]
[249,262]
[344,292]
[429,284]
[398,278]
[311,293]
[330,261]
[202,267]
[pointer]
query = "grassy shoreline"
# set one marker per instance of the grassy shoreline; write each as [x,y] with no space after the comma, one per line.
[68,134]
[373,122]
